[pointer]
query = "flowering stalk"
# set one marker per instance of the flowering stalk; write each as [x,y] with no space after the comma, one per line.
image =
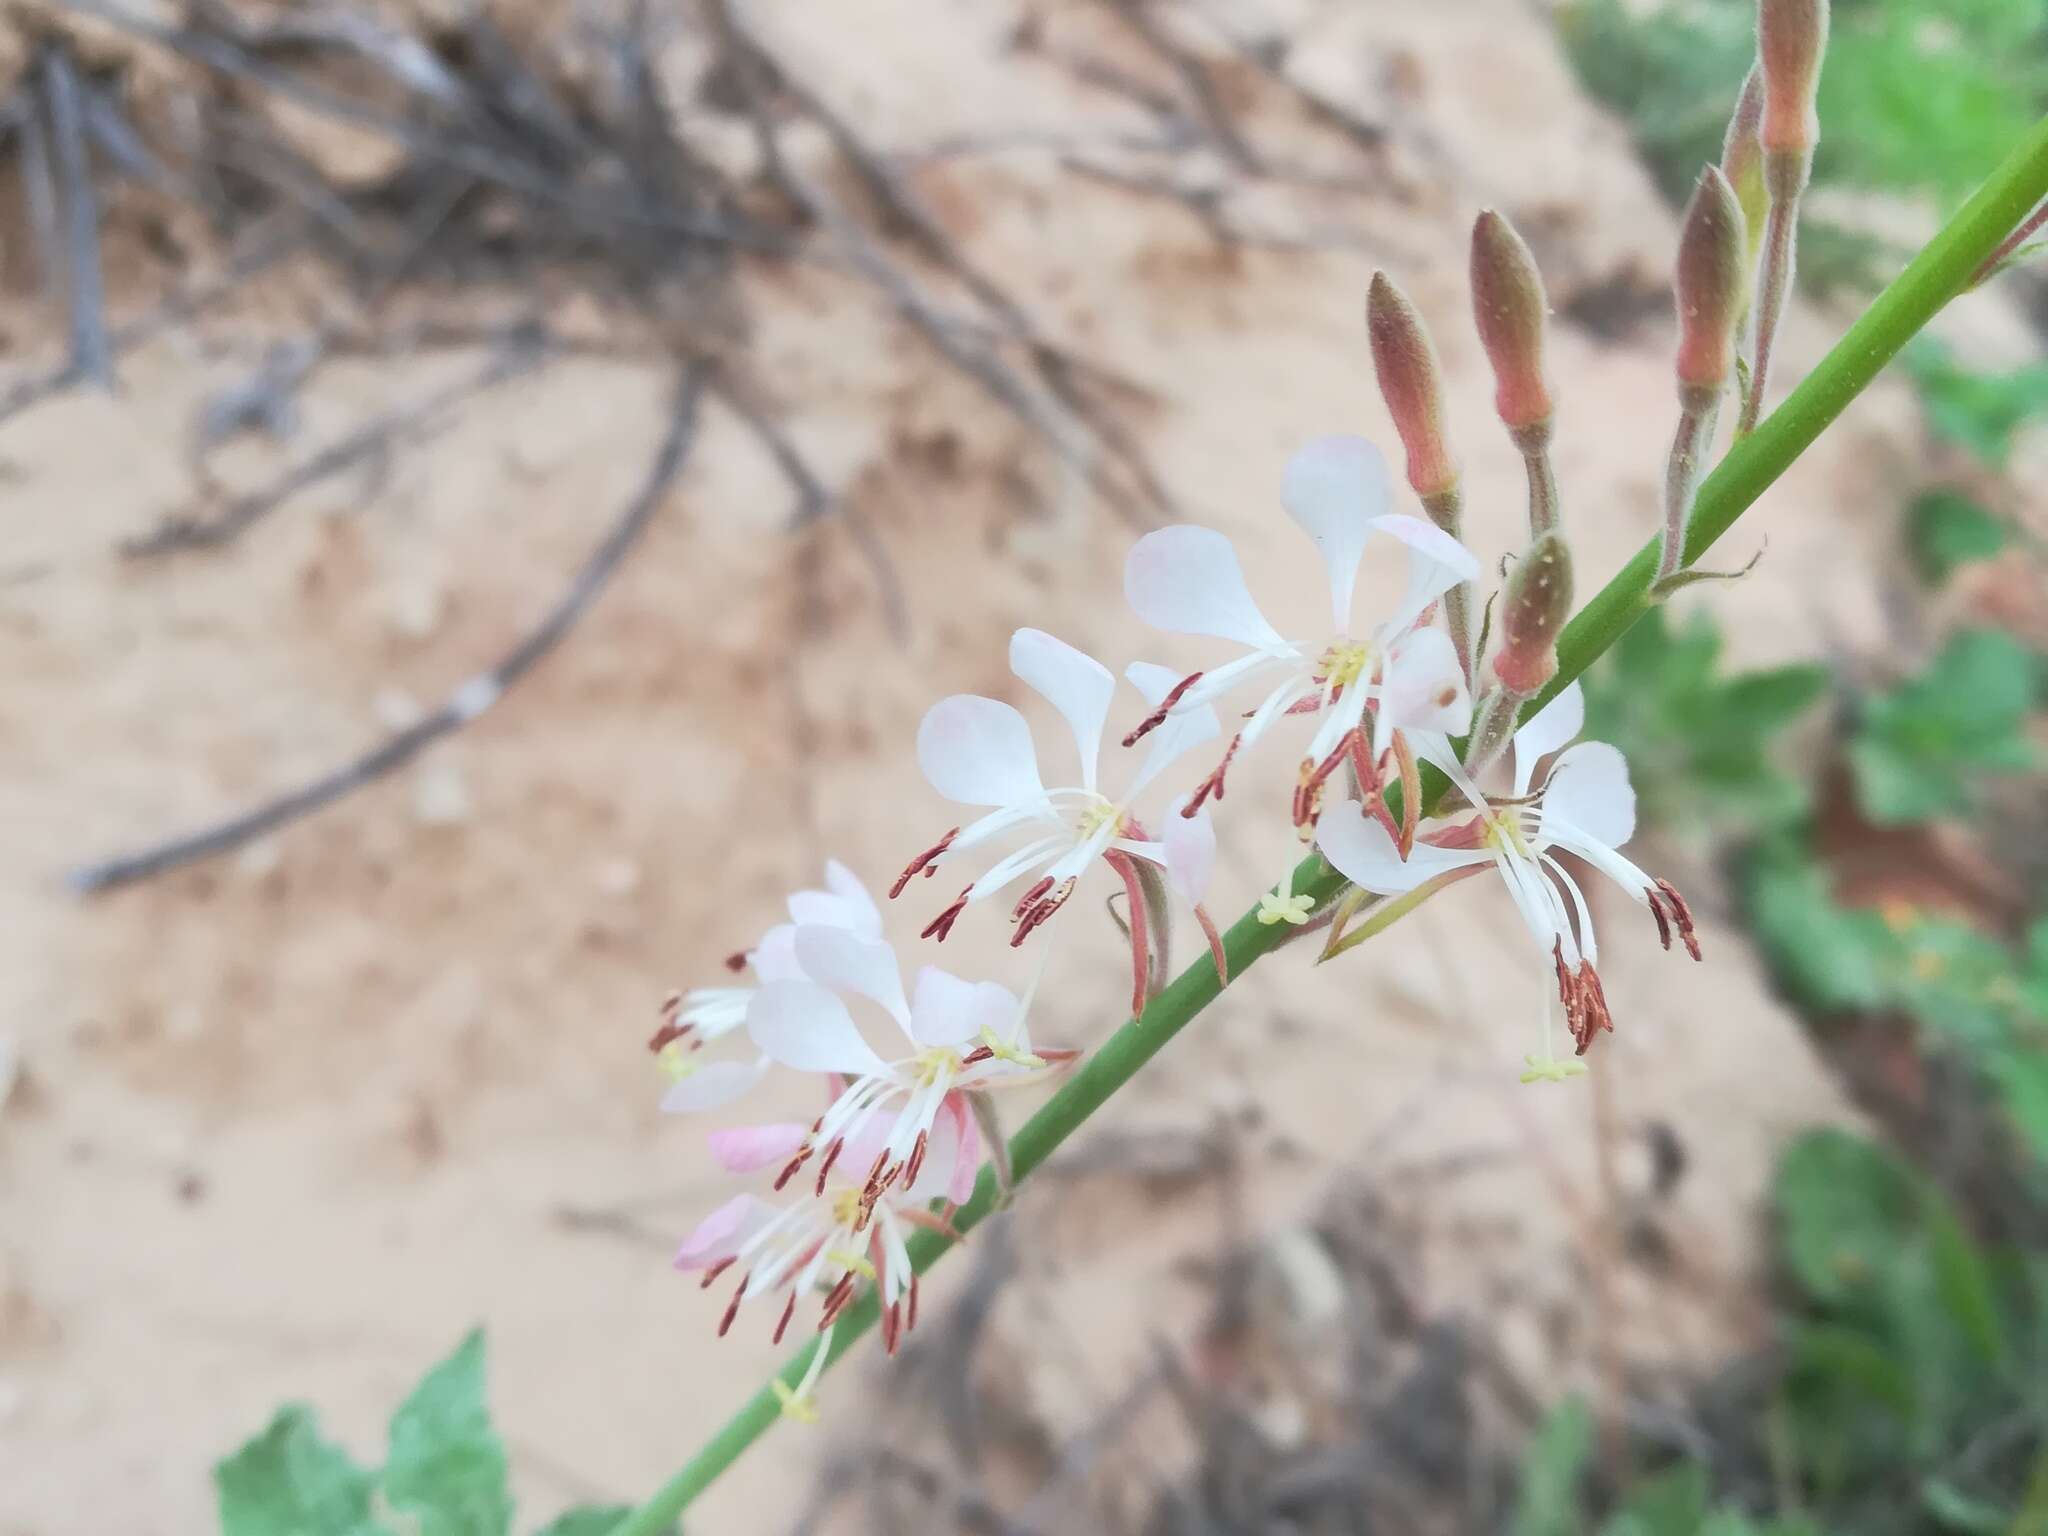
[1935,276]
[1511,310]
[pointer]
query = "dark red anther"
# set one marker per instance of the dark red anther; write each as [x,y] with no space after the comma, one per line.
[803,1155]
[736,961]
[1213,785]
[835,1299]
[912,1168]
[667,1036]
[942,925]
[1036,917]
[923,864]
[711,1275]
[1031,897]
[910,1320]
[1157,718]
[892,1327]
[732,1308]
[1681,914]
[978,1055]
[788,1311]
[831,1156]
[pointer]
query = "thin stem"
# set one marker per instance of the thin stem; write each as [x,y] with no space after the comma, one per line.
[1498,713]
[1930,281]
[2029,226]
[1447,510]
[1695,427]
[1780,226]
[1535,445]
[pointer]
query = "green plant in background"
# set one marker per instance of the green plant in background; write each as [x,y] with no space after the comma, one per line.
[1918,750]
[444,1471]
[1947,529]
[1906,1395]
[1699,742]
[1978,412]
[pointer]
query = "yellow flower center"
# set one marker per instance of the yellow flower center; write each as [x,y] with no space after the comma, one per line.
[1345,663]
[1096,816]
[1504,831]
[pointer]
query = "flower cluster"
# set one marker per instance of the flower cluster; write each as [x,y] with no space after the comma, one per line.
[1399,720]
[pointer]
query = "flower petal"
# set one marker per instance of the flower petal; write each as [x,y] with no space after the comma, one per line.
[864,917]
[1362,852]
[750,1148]
[1187,580]
[774,958]
[712,1085]
[1072,682]
[1588,789]
[1436,563]
[966,1151]
[947,1010]
[799,1024]
[1189,847]
[978,751]
[721,1234]
[1180,733]
[1555,724]
[1334,488]
[845,962]
[1422,689]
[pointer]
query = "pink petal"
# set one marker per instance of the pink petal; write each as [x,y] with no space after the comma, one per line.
[749,1148]
[721,1234]
[978,752]
[1187,580]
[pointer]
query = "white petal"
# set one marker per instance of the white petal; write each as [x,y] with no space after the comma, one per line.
[774,958]
[834,958]
[1422,689]
[848,887]
[712,1085]
[1179,734]
[1548,729]
[947,1010]
[1334,488]
[1187,580]
[721,1234]
[1603,858]
[1362,852]
[978,751]
[1588,789]
[1436,563]
[1072,682]
[1189,847]
[799,1024]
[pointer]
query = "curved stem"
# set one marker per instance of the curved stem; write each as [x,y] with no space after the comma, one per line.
[1934,276]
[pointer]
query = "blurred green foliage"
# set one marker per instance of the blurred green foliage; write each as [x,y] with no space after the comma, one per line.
[444,1471]
[1698,741]
[1946,530]
[1978,412]
[1918,750]
[1909,1392]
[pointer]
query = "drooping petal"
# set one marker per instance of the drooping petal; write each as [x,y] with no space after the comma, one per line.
[774,958]
[1072,682]
[967,1149]
[721,1234]
[864,917]
[1362,852]
[947,1011]
[1588,789]
[750,1148]
[1422,688]
[978,751]
[1436,563]
[1555,724]
[801,1025]
[1179,734]
[1188,844]
[1334,488]
[834,958]
[712,1085]
[1186,580]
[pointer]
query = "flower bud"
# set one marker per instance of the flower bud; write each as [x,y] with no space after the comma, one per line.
[1508,302]
[1742,160]
[1791,36]
[1410,383]
[1533,612]
[1710,288]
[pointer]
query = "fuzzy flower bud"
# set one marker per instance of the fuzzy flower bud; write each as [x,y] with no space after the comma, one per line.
[1742,160]
[1533,611]
[1410,383]
[1791,36]
[1710,287]
[1509,304]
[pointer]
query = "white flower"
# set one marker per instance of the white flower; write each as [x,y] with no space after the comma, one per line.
[704,1014]
[962,1036]
[1584,806]
[856,1231]
[1187,580]
[979,751]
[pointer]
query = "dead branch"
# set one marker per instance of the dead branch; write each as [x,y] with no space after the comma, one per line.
[467,702]
[1195,78]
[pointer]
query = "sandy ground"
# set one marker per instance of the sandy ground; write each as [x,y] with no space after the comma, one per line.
[288,1123]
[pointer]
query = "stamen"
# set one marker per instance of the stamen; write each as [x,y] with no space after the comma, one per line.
[667,1036]
[942,925]
[803,1155]
[910,1322]
[1139,929]
[1037,916]
[1679,912]
[1157,718]
[931,1222]
[1594,1016]
[1213,785]
[831,1156]
[835,1299]
[978,1055]
[923,864]
[916,1163]
[711,1275]
[1030,898]
[736,961]
[1308,794]
[788,1311]
[732,1308]
[892,1327]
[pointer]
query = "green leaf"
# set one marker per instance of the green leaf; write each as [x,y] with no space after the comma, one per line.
[1979,412]
[589,1520]
[1955,1510]
[1552,1466]
[1673,1503]
[1843,1205]
[289,1482]
[1946,529]
[2022,1079]
[1962,1280]
[447,1467]
[1918,749]
[1854,1364]
[1826,956]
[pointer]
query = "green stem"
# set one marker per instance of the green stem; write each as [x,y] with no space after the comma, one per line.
[1935,275]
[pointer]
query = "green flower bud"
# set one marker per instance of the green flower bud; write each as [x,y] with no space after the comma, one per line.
[1411,384]
[1791,36]
[1711,284]
[1510,307]
[1742,160]
[1533,613]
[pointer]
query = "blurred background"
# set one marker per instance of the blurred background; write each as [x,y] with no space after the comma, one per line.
[490,489]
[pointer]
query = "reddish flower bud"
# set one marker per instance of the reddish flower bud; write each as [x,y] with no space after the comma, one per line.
[1533,612]
[1411,384]
[1791,36]
[1742,160]
[1508,302]
[1710,287]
